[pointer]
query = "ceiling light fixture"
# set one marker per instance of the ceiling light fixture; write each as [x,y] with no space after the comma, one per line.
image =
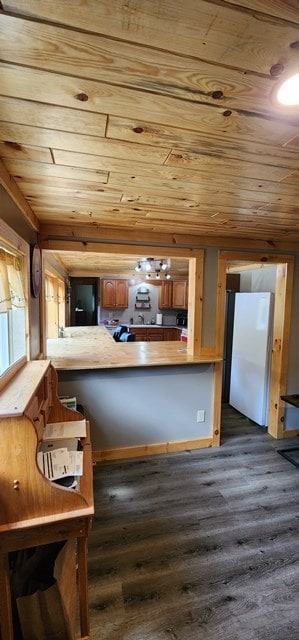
[288,91]
[153,266]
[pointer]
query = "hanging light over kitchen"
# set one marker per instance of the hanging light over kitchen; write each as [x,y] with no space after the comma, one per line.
[155,266]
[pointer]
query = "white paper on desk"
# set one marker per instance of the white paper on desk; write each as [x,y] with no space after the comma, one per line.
[75,463]
[72,444]
[69,429]
[54,464]
[59,463]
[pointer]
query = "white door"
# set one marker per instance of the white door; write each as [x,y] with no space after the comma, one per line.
[251,349]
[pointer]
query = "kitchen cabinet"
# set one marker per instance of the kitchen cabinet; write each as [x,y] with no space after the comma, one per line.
[140,334]
[172,333]
[180,294]
[165,295]
[174,295]
[154,334]
[114,294]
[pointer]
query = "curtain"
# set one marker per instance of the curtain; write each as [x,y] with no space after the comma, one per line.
[11,283]
[50,286]
[61,292]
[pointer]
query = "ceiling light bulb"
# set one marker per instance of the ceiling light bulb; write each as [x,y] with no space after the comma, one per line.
[148,275]
[288,92]
[157,275]
[147,266]
[167,276]
[163,266]
[138,267]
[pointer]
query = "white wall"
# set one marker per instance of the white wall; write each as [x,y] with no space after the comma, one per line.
[258,280]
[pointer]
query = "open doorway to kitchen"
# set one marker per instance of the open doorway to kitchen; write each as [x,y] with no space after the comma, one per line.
[83,301]
[281,324]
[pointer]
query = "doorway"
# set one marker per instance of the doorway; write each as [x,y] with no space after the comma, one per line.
[84,295]
[281,328]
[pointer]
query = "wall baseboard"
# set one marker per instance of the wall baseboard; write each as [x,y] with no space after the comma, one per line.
[291,433]
[150,449]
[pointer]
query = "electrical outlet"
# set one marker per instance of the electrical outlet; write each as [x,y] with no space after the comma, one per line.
[200,415]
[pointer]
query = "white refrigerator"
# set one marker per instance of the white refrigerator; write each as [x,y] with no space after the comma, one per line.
[251,353]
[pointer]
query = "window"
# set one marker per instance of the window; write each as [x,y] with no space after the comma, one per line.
[13,304]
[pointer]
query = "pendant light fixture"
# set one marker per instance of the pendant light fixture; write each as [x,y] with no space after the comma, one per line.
[153,268]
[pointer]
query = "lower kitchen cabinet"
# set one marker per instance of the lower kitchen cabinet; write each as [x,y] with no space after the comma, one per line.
[140,334]
[154,334]
[172,334]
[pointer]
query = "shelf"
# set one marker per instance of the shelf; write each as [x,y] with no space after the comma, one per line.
[143,305]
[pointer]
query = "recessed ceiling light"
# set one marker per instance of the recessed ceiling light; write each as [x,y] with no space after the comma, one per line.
[288,92]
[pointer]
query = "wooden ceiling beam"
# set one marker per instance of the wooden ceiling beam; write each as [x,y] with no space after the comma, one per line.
[74,236]
[13,190]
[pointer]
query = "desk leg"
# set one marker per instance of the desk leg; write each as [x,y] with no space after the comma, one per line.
[5,600]
[83,586]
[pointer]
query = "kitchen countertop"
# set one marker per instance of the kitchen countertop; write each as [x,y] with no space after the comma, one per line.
[140,326]
[94,348]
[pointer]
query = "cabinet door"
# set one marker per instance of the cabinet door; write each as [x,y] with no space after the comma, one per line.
[121,294]
[165,295]
[155,334]
[108,294]
[140,334]
[179,294]
[172,334]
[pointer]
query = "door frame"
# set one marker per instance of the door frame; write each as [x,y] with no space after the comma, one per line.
[93,281]
[281,331]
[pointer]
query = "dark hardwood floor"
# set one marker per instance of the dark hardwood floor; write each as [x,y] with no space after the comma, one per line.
[199,545]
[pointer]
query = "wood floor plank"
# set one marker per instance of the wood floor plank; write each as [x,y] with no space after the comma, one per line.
[198,545]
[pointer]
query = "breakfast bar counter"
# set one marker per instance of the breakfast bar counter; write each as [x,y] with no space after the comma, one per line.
[137,396]
[94,348]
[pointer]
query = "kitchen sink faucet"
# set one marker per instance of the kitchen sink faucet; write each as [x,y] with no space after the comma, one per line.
[141,316]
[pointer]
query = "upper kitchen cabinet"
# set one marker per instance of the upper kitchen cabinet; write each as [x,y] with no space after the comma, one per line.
[165,295]
[180,294]
[174,295]
[114,294]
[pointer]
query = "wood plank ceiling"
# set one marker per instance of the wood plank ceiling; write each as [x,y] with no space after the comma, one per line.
[152,116]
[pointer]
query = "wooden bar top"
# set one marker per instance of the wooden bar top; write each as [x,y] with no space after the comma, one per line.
[94,348]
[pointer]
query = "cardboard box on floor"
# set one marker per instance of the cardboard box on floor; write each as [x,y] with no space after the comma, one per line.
[50,614]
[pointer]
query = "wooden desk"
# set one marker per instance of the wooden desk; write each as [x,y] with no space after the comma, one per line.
[33,510]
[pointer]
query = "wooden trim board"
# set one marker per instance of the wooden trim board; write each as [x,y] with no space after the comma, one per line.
[123,453]
[291,433]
